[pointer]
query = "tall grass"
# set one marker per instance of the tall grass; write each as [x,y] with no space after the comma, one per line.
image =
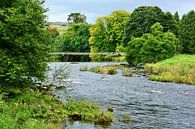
[108,69]
[179,69]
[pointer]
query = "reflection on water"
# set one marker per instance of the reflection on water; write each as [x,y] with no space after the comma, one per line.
[153,105]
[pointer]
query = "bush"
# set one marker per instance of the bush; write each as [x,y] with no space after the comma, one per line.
[151,47]
[23,42]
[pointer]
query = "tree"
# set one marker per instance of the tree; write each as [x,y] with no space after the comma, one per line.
[23,42]
[107,32]
[76,18]
[76,38]
[151,47]
[187,29]
[143,18]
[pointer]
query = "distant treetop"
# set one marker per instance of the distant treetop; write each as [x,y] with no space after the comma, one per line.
[76,18]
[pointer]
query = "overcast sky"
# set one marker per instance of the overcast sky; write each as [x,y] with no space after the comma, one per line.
[59,9]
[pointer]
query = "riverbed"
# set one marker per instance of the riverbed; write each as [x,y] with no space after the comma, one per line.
[152,105]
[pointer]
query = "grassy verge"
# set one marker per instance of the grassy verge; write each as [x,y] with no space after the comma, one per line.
[179,69]
[30,108]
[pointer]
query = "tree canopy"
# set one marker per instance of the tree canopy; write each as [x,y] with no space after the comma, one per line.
[144,17]
[23,41]
[187,36]
[76,38]
[151,47]
[76,18]
[108,31]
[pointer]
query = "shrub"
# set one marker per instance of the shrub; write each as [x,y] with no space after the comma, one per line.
[151,47]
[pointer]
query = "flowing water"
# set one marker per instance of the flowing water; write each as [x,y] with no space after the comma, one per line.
[152,105]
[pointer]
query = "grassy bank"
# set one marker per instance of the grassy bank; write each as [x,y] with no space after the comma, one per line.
[179,69]
[31,108]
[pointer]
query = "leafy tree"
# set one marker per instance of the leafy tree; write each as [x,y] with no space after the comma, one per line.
[187,33]
[23,41]
[76,38]
[108,31]
[54,34]
[76,18]
[176,17]
[144,17]
[151,47]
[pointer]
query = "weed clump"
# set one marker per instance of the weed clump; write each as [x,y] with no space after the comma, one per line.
[84,68]
[111,70]
[126,72]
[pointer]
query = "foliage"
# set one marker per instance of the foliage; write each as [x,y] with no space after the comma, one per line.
[75,38]
[88,111]
[23,42]
[187,37]
[29,109]
[54,31]
[151,47]
[107,32]
[144,17]
[32,108]
[179,69]
[76,18]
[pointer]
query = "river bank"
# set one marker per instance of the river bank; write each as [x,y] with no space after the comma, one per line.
[178,69]
[37,108]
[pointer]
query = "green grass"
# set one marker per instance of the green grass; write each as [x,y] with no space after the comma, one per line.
[179,69]
[31,108]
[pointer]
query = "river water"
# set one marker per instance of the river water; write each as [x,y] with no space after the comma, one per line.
[152,105]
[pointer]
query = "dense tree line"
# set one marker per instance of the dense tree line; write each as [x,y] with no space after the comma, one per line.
[122,30]
[187,33]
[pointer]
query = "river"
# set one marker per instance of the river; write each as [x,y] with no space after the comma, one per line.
[152,105]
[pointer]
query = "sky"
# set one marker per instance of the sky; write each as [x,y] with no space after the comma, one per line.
[59,9]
